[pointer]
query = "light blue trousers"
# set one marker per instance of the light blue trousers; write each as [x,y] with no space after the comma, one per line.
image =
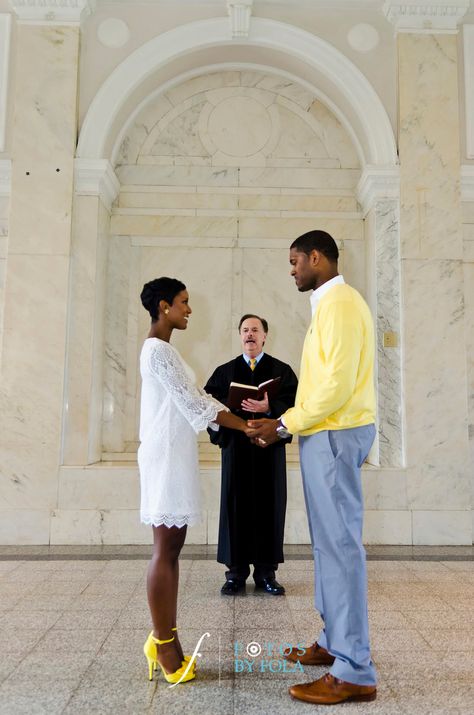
[330,464]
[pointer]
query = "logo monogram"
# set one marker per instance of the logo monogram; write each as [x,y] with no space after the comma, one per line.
[195,655]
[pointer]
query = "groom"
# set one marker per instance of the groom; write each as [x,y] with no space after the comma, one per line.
[334,415]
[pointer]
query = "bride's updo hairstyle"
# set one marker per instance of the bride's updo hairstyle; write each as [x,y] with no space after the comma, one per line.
[159,289]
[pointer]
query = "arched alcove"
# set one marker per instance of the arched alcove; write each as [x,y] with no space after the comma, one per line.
[218,174]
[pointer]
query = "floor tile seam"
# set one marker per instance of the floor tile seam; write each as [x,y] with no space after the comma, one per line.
[27,653]
[11,570]
[152,697]
[119,614]
[233,680]
[79,614]
[292,615]
[232,677]
[234,626]
[80,680]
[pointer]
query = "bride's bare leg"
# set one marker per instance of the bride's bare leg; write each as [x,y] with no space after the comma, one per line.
[162,591]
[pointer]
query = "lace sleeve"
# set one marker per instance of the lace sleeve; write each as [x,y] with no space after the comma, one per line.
[197,406]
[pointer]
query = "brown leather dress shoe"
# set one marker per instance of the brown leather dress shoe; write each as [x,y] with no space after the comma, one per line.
[313,655]
[329,690]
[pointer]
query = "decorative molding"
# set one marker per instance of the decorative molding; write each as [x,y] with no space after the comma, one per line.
[52,12]
[239,13]
[363,37]
[96,177]
[235,67]
[467,182]
[432,16]
[5,177]
[468,42]
[351,94]
[377,183]
[113,32]
[5,32]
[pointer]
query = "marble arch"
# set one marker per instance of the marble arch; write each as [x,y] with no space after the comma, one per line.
[348,89]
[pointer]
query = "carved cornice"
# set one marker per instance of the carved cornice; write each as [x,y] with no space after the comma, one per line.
[376,184]
[96,177]
[52,12]
[432,16]
[5,177]
[239,13]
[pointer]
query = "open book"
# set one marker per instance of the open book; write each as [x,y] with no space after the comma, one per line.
[239,392]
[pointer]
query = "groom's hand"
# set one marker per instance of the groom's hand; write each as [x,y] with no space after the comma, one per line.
[263,432]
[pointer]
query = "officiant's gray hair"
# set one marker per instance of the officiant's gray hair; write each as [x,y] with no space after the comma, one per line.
[252,315]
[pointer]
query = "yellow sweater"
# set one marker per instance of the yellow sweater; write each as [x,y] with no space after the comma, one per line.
[336,384]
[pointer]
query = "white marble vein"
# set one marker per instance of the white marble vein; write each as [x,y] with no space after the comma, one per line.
[387,255]
[117,300]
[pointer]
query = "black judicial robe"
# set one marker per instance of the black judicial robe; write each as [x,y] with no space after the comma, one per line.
[253,485]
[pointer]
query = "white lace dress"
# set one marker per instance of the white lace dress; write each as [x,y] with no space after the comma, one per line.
[173,411]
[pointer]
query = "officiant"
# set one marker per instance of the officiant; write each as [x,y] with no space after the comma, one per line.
[253,480]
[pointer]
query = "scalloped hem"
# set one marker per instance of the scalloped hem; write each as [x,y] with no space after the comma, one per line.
[170,520]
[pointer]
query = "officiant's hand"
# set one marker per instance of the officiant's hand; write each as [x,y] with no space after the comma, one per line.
[263,432]
[256,405]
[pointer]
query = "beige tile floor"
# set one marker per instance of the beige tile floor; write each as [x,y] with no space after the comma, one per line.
[72,631]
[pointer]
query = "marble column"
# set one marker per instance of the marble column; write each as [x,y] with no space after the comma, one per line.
[434,344]
[387,256]
[44,98]
[96,186]
[378,193]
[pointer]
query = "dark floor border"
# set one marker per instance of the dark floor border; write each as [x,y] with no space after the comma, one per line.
[293,552]
[200,557]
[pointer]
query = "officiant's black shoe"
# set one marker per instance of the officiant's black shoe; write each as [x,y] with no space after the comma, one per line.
[232,586]
[270,585]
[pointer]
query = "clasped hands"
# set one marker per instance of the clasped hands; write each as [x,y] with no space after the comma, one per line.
[262,432]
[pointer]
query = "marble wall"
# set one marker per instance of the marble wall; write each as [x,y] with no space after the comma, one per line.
[35,309]
[4,210]
[468,276]
[218,175]
[433,289]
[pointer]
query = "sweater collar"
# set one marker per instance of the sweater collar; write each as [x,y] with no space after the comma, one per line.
[317,294]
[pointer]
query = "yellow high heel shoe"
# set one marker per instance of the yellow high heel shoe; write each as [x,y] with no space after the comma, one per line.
[150,650]
[187,658]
